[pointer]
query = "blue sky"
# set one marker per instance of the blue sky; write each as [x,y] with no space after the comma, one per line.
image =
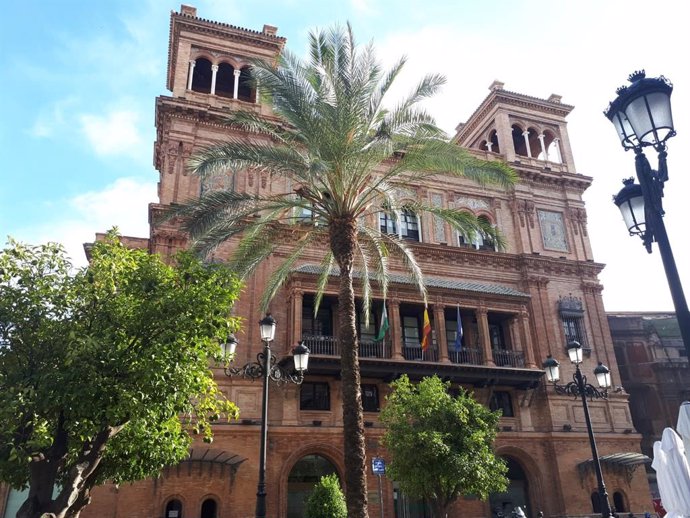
[79,78]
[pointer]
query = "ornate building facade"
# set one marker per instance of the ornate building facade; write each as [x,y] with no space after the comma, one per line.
[515,306]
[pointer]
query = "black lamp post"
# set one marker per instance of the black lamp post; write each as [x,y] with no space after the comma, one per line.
[266,367]
[580,388]
[642,117]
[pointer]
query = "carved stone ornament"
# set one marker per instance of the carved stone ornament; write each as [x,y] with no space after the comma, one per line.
[570,306]
[471,203]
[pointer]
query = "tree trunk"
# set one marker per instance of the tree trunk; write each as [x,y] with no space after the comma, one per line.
[342,242]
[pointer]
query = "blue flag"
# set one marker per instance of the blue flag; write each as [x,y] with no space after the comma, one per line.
[458,333]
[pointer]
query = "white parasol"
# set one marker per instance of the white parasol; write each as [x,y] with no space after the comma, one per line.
[683,426]
[672,474]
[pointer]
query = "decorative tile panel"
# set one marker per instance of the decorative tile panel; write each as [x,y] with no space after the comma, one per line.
[553,230]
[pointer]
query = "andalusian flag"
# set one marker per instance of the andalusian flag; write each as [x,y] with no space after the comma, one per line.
[383,329]
[458,334]
[426,331]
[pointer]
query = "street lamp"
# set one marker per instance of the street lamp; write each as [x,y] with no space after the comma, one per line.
[642,117]
[266,367]
[580,388]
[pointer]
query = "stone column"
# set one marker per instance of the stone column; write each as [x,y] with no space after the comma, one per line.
[526,335]
[484,340]
[192,64]
[394,330]
[440,330]
[297,296]
[236,84]
[543,148]
[214,71]
[557,147]
[525,134]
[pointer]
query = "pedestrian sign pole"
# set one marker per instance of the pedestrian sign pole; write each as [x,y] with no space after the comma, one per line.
[378,467]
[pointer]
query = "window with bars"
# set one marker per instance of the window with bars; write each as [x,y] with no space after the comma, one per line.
[572,314]
[315,396]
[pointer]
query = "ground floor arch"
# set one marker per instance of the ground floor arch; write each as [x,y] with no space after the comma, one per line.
[516,495]
[305,473]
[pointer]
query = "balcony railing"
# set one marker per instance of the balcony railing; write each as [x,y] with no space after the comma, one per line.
[329,346]
[416,354]
[378,349]
[504,358]
[322,345]
[467,355]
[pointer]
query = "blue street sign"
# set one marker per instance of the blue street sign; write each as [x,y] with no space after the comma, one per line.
[378,466]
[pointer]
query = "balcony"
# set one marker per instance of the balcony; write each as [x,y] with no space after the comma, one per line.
[416,354]
[504,358]
[329,346]
[467,356]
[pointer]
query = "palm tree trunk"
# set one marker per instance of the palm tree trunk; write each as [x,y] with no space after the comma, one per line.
[342,241]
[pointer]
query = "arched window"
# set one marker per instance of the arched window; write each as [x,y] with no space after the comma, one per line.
[173,509]
[534,144]
[479,240]
[245,91]
[596,502]
[404,224]
[519,141]
[619,502]
[387,223]
[304,475]
[409,225]
[493,139]
[201,81]
[209,509]
[225,80]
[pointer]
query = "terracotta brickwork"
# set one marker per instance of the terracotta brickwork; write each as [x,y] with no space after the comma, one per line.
[513,307]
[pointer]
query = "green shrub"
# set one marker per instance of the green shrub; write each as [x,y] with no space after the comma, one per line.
[327,500]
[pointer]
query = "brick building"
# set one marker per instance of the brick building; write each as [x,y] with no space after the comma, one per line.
[516,306]
[654,370]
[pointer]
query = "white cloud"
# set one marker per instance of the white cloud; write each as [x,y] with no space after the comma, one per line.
[363,6]
[52,121]
[115,133]
[75,221]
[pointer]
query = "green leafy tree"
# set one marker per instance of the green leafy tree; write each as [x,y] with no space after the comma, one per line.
[440,445]
[327,499]
[347,153]
[98,365]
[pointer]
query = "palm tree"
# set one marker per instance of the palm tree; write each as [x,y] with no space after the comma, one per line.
[348,153]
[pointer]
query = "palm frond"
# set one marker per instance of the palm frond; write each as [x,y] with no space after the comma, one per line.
[399,247]
[236,153]
[365,280]
[372,238]
[326,265]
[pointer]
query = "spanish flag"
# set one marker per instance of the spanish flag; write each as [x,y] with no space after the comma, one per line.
[426,331]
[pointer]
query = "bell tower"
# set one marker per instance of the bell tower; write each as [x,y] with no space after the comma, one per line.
[208,77]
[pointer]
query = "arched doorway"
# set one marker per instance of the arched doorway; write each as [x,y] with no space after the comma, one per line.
[517,493]
[304,475]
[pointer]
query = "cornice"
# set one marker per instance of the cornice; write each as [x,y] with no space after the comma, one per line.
[508,98]
[545,177]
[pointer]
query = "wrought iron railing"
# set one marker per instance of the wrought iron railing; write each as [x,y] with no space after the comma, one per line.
[467,355]
[503,358]
[322,345]
[416,354]
[328,346]
[378,349]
